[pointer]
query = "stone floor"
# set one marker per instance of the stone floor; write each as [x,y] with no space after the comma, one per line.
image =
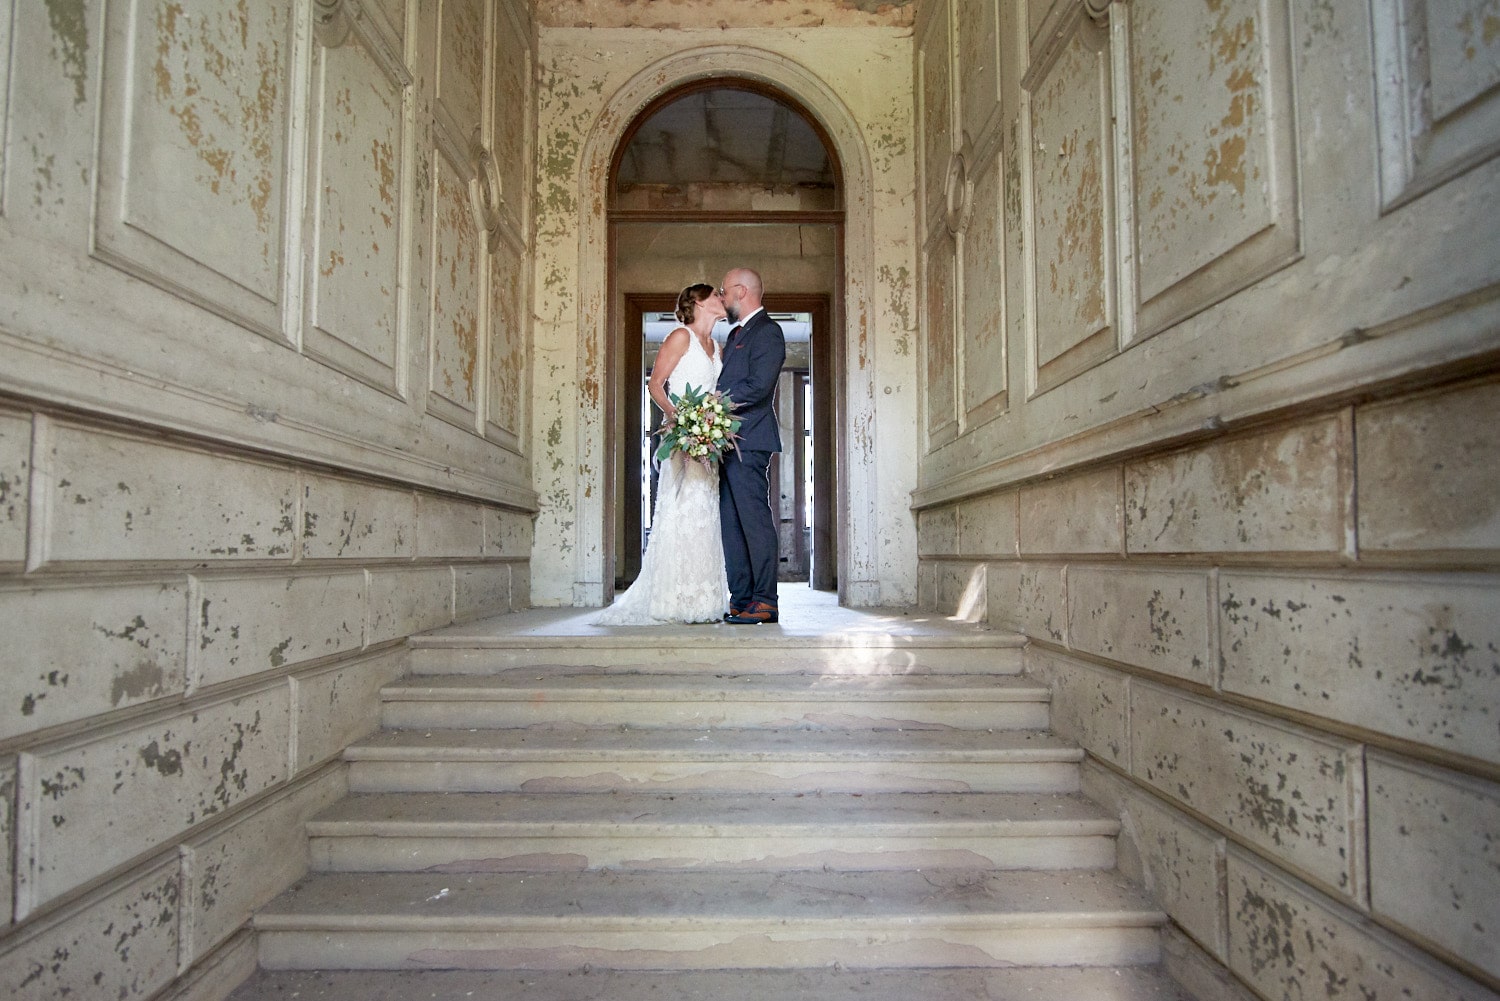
[804,612]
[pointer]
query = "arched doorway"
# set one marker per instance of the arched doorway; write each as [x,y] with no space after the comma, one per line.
[713,174]
[862,524]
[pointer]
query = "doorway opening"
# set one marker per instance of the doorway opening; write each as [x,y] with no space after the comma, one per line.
[802,475]
[714,175]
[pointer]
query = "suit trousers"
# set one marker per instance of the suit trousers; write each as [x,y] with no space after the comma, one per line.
[751,544]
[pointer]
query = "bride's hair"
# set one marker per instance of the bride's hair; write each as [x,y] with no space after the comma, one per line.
[688,299]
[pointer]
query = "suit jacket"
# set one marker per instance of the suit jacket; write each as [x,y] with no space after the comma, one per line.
[752,366]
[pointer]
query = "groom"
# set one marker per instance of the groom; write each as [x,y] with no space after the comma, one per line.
[752,363]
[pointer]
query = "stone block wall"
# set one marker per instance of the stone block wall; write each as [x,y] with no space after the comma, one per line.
[1279,647]
[264,393]
[192,636]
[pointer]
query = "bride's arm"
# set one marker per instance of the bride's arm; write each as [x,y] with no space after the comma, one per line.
[672,350]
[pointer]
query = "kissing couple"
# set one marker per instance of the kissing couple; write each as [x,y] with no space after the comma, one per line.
[712,532]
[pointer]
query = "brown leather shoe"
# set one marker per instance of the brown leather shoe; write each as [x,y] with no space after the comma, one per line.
[735,608]
[755,613]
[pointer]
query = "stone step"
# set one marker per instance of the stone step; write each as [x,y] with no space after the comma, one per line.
[492,645]
[597,759]
[713,920]
[1137,983]
[519,832]
[588,697]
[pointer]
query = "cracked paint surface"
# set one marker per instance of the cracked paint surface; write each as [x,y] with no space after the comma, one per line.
[84,651]
[1287,943]
[1287,790]
[124,947]
[1369,651]
[1281,491]
[214,100]
[1070,175]
[104,802]
[261,624]
[358,204]
[213,508]
[1201,134]
[683,14]
[1157,619]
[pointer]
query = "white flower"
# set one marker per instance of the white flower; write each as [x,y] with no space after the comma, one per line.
[717,433]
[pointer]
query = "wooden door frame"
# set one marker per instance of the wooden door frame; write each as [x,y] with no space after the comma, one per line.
[626,371]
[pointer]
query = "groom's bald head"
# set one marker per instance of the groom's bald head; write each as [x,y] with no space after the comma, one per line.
[742,292]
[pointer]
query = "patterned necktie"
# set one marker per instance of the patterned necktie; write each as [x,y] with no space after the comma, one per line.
[733,333]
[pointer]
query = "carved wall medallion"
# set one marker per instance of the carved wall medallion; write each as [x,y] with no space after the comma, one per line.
[958,191]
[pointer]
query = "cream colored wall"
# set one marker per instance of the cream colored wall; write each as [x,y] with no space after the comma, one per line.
[1211,348]
[592,83]
[263,380]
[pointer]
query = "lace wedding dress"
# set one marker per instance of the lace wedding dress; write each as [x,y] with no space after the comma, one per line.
[682,574]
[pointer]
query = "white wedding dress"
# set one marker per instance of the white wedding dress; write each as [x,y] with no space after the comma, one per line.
[682,573]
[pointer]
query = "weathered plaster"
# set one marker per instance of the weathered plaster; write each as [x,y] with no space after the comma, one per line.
[859,92]
[687,14]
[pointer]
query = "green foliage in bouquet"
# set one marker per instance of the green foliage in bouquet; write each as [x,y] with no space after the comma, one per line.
[703,428]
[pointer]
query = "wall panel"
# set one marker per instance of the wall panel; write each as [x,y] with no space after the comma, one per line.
[1438,88]
[978,52]
[92,802]
[985,359]
[935,79]
[939,322]
[195,129]
[507,354]
[358,193]
[1213,146]
[1074,317]
[455,313]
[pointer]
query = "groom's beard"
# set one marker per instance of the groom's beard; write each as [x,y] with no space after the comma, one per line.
[733,312]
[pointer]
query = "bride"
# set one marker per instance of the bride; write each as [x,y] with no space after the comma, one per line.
[682,574]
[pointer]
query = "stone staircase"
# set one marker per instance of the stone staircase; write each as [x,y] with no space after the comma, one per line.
[557,812]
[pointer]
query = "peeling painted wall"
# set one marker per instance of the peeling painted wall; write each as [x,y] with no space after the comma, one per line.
[1234,481]
[592,82]
[264,377]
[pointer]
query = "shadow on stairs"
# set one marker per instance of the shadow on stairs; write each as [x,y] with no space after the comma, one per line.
[846,805]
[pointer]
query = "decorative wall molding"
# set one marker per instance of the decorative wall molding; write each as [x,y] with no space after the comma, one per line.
[935,112]
[1209,173]
[7,20]
[958,190]
[361,210]
[203,135]
[861,544]
[1437,94]
[333,20]
[1075,315]
[485,193]
[107,393]
[1056,31]
[1414,350]
[941,273]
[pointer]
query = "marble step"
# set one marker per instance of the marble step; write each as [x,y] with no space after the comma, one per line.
[501,644]
[708,920]
[1138,983]
[526,696]
[600,759]
[518,832]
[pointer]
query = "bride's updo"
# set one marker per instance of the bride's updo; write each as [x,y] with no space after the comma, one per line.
[687,301]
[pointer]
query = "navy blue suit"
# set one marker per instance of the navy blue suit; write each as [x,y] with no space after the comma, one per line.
[752,365]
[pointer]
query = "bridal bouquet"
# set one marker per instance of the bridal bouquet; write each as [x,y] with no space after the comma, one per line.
[703,428]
